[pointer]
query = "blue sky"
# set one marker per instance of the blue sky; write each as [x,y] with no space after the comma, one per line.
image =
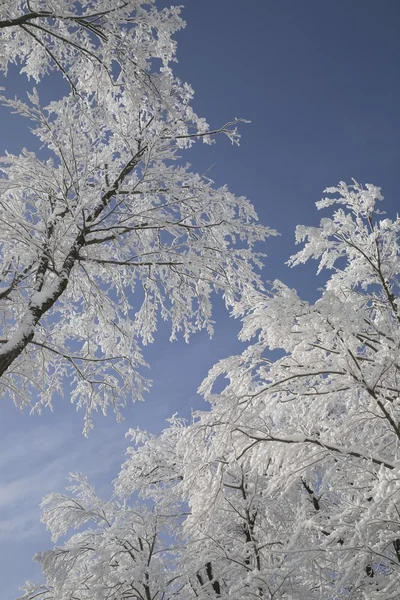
[319,82]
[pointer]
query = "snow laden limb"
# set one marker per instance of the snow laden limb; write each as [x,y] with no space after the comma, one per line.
[154,465]
[100,47]
[93,44]
[106,232]
[117,554]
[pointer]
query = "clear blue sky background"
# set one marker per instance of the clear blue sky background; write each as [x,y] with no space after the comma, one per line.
[320,82]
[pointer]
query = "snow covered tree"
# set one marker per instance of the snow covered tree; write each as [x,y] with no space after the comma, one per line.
[105,230]
[292,476]
[317,428]
[118,554]
[288,487]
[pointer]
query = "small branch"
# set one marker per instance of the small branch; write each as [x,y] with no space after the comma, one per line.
[129,263]
[307,440]
[223,129]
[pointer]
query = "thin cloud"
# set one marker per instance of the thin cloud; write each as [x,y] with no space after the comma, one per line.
[51,458]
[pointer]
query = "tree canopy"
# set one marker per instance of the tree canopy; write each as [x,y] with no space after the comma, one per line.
[288,486]
[106,229]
